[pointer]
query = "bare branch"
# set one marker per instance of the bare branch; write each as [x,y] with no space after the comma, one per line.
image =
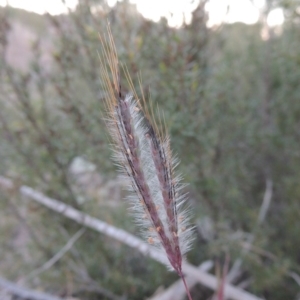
[266,202]
[25,293]
[121,235]
[295,276]
[57,256]
[177,291]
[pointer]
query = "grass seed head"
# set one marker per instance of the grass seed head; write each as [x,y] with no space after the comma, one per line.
[142,149]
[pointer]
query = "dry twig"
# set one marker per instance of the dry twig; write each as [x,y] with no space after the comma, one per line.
[47,265]
[177,291]
[25,293]
[121,235]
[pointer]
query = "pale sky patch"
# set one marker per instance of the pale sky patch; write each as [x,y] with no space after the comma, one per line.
[231,11]
[275,17]
[53,7]
[176,11]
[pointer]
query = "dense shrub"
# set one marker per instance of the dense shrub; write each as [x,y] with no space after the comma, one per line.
[231,102]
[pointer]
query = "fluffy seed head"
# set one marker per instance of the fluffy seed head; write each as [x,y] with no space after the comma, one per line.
[143,153]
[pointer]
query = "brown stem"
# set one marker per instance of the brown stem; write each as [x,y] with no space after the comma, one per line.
[185,285]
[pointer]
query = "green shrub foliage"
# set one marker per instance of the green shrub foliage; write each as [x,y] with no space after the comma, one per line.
[231,102]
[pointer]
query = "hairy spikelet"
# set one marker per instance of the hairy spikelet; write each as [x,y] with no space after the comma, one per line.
[143,153]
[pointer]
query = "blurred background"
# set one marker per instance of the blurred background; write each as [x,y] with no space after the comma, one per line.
[226,75]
